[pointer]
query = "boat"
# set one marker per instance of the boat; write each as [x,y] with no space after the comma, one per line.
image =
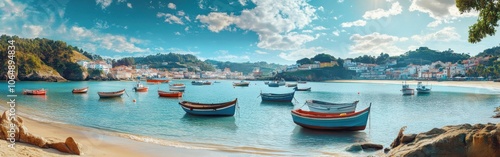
[301,82]
[407,90]
[291,85]
[111,94]
[281,82]
[207,83]
[241,84]
[35,92]
[331,121]
[169,94]
[217,109]
[197,82]
[286,97]
[421,89]
[140,88]
[81,90]
[216,82]
[266,82]
[302,89]
[328,107]
[177,87]
[157,80]
[496,80]
[273,84]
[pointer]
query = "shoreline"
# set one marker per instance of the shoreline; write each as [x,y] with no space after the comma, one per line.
[494,86]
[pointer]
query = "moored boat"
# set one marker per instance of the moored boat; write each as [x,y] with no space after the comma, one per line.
[139,87]
[177,87]
[273,84]
[407,90]
[241,84]
[81,90]
[328,107]
[169,94]
[207,83]
[35,92]
[302,89]
[331,121]
[111,94]
[302,82]
[291,85]
[157,80]
[286,97]
[422,89]
[204,109]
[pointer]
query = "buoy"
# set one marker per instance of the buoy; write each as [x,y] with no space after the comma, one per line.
[133,100]
[358,93]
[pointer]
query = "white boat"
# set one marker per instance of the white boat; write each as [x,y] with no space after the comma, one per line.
[177,87]
[327,107]
[422,89]
[407,90]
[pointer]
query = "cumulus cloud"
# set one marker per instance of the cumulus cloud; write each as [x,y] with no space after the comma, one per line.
[32,31]
[260,52]
[103,3]
[216,21]
[443,11]
[116,43]
[446,34]
[172,6]
[129,5]
[354,23]
[336,33]
[379,13]
[302,53]
[375,43]
[170,18]
[243,2]
[319,28]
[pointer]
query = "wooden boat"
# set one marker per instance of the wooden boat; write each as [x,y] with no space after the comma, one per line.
[35,92]
[207,83]
[302,89]
[81,90]
[177,87]
[169,94]
[302,82]
[286,97]
[140,88]
[421,89]
[331,121]
[407,90]
[197,82]
[273,84]
[218,109]
[291,85]
[111,94]
[157,80]
[241,84]
[327,107]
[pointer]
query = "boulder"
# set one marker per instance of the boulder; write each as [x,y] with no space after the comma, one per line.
[364,146]
[72,145]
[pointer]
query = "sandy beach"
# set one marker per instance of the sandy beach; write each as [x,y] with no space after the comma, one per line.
[473,84]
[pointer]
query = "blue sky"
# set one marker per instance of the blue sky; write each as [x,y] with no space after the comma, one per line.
[278,31]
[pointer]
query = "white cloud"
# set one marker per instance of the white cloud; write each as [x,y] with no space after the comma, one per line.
[320,8]
[116,43]
[129,5]
[232,58]
[243,2]
[100,24]
[354,23]
[186,29]
[340,1]
[200,4]
[379,13]
[302,53]
[318,28]
[170,18]
[446,34]
[443,11]
[273,21]
[171,6]
[104,3]
[177,33]
[12,10]
[181,13]
[336,33]
[375,43]
[260,52]
[32,31]
[307,31]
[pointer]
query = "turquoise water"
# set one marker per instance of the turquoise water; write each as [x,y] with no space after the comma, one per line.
[265,127]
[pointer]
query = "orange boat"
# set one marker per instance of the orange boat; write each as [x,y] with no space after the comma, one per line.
[169,94]
[35,92]
[81,90]
[157,80]
[140,88]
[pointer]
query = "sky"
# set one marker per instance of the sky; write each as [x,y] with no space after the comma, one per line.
[275,31]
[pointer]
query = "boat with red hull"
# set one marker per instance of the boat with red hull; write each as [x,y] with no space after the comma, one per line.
[157,80]
[331,121]
[35,92]
[169,94]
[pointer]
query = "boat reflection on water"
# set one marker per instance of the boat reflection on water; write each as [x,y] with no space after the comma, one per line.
[213,122]
[277,104]
[334,139]
[113,100]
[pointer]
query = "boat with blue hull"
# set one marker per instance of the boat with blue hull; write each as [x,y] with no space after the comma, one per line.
[328,121]
[203,109]
[286,97]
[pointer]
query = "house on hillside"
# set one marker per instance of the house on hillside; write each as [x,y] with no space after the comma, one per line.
[328,64]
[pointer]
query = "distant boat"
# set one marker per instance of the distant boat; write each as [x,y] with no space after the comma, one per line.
[266,82]
[301,82]
[81,90]
[169,94]
[111,94]
[281,82]
[241,84]
[207,83]
[157,80]
[331,121]
[328,107]
[177,87]
[273,84]
[218,109]
[35,92]
[421,89]
[407,90]
[197,82]
[291,85]
[286,97]
[139,87]
[216,82]
[302,89]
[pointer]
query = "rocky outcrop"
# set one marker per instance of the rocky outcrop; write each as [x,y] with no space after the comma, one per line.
[42,76]
[497,111]
[459,140]
[364,147]
[22,135]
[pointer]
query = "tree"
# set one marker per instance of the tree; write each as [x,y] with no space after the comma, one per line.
[489,14]
[323,58]
[305,61]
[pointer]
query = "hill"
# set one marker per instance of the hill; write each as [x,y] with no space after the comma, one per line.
[494,51]
[167,61]
[246,67]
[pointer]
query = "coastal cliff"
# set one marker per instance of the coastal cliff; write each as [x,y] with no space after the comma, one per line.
[481,140]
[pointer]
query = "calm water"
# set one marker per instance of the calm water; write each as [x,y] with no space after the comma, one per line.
[263,127]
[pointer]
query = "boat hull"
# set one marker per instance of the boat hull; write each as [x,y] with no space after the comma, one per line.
[325,107]
[157,81]
[348,123]
[169,94]
[423,91]
[302,89]
[111,94]
[35,92]
[225,111]
[177,88]
[408,91]
[273,85]
[287,97]
[140,89]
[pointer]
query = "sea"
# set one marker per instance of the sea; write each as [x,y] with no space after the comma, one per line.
[264,128]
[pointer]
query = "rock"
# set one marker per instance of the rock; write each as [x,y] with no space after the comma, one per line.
[386,150]
[397,141]
[496,115]
[354,148]
[364,146]
[60,146]
[72,145]
[458,140]
[29,138]
[51,76]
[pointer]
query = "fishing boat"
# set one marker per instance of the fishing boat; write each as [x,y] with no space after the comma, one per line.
[81,90]
[273,84]
[197,83]
[241,84]
[157,80]
[301,82]
[291,85]
[169,94]
[177,87]
[207,83]
[217,109]
[35,92]
[407,90]
[286,97]
[328,107]
[331,121]
[139,87]
[281,82]
[111,94]
[422,89]
[302,89]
